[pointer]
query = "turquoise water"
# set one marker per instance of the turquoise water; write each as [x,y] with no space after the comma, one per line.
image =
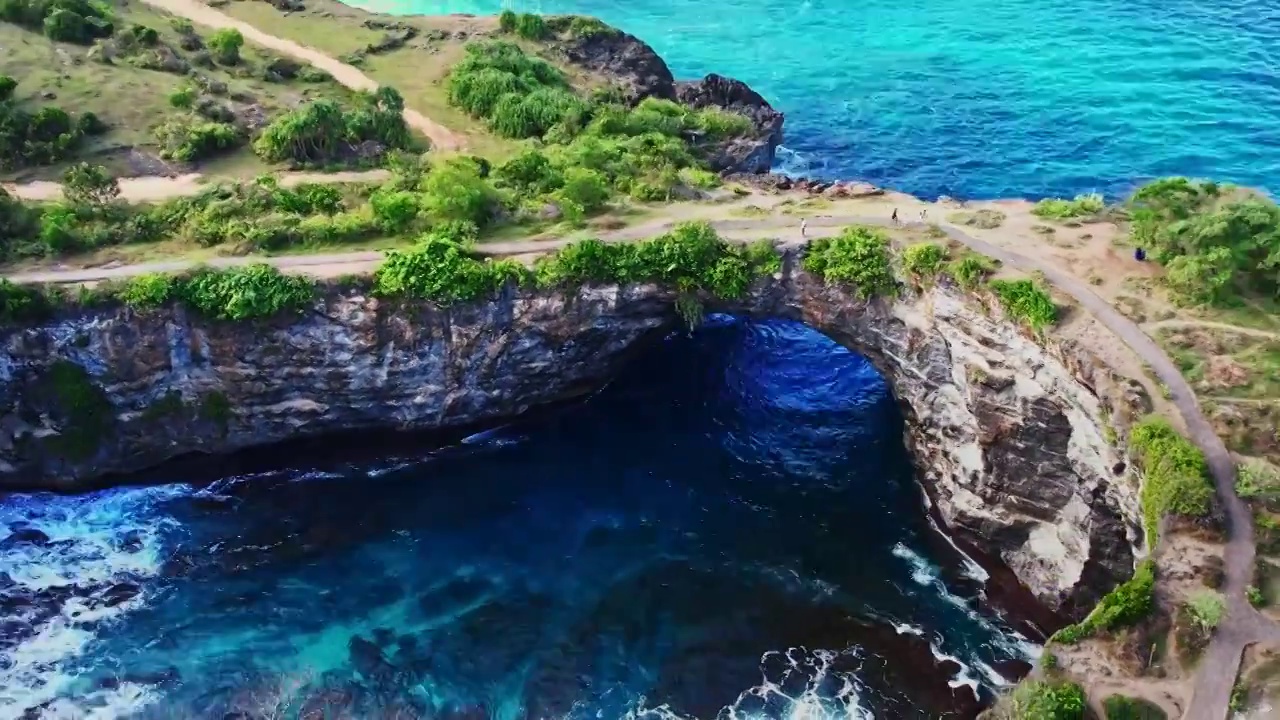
[981,98]
[728,531]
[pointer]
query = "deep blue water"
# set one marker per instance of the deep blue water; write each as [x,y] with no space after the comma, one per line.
[730,530]
[981,98]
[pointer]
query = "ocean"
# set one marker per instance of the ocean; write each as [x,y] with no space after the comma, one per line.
[730,529]
[980,99]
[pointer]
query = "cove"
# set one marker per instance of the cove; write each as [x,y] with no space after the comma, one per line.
[730,528]
[979,99]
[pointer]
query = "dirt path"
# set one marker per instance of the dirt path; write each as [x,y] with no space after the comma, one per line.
[1228,327]
[1242,626]
[156,188]
[1163,693]
[197,12]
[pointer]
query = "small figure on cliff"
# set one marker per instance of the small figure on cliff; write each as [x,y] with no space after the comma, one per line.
[894,219]
[923,213]
[1140,255]
[804,225]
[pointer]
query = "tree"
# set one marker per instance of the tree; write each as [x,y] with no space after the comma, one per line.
[226,44]
[85,184]
[455,191]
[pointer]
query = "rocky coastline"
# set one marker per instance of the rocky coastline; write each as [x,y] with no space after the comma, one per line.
[1006,430]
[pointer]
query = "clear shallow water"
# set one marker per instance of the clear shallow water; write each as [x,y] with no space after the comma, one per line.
[729,530]
[981,98]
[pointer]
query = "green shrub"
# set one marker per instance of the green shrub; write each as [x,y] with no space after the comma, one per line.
[7,86]
[1026,301]
[531,115]
[698,178]
[1255,596]
[858,256]
[923,261]
[323,131]
[85,184]
[439,270]
[454,190]
[21,303]
[1207,608]
[1215,242]
[395,210]
[148,291]
[1176,475]
[1129,603]
[225,45]
[44,137]
[507,21]
[1119,707]
[529,173]
[191,140]
[1048,700]
[584,27]
[719,124]
[691,258]
[184,97]
[587,189]
[970,270]
[531,26]
[73,21]
[243,293]
[1060,209]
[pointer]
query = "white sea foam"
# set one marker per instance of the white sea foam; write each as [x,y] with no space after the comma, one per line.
[905,629]
[964,676]
[1006,640]
[922,572]
[95,541]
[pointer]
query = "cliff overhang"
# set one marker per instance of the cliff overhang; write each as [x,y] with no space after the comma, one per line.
[1009,431]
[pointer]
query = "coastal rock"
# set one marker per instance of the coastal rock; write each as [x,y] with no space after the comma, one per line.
[641,73]
[1007,430]
[751,154]
[624,58]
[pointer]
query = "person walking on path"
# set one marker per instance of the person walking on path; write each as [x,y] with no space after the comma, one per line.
[894,219]
[804,224]
[923,213]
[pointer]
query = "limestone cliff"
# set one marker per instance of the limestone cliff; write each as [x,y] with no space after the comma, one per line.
[1009,433]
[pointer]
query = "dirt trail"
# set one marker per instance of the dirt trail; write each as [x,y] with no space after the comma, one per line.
[1242,626]
[1228,327]
[156,188]
[197,12]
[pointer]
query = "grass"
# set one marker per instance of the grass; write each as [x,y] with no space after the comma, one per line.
[1237,376]
[1027,301]
[131,100]
[984,219]
[1176,474]
[418,73]
[1078,207]
[1130,602]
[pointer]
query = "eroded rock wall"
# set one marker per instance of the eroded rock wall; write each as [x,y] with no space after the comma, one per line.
[1009,432]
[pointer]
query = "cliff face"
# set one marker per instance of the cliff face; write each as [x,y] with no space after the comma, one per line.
[1008,433]
[643,73]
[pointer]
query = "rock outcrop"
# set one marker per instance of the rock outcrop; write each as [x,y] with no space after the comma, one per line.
[1008,431]
[641,73]
[753,153]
